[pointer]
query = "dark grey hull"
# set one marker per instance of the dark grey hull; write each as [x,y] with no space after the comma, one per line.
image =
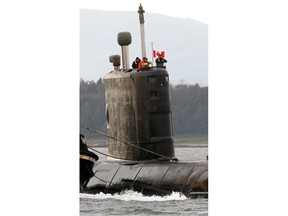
[150,178]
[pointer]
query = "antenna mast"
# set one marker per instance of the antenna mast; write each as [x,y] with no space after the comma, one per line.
[141,19]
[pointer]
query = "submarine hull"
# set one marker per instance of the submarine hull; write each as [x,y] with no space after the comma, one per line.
[150,178]
[140,134]
[87,161]
[140,137]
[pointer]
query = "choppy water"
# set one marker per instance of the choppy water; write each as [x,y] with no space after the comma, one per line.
[134,203]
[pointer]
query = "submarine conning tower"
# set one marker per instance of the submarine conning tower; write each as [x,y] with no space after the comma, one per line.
[138,111]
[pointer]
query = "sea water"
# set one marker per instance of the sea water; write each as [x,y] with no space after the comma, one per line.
[134,203]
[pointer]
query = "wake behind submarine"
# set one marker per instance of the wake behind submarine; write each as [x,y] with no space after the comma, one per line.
[140,135]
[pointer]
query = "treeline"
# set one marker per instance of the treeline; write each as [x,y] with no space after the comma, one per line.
[189,108]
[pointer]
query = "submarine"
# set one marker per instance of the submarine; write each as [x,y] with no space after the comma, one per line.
[139,135]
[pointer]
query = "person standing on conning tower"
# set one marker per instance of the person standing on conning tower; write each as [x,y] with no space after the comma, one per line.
[160,61]
[144,64]
[135,63]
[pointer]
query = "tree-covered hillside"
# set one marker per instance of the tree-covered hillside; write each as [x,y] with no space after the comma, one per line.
[189,108]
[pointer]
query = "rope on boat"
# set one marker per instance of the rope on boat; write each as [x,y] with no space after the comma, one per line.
[104,153]
[130,144]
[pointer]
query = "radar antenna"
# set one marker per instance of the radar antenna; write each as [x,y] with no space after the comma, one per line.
[142,32]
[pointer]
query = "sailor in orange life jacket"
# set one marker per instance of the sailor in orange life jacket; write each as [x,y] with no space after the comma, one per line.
[144,64]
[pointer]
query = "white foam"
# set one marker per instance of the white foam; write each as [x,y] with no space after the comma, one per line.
[130,195]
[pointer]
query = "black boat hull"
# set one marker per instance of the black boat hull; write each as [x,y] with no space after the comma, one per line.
[150,178]
[87,161]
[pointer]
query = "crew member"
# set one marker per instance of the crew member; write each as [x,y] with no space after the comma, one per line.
[144,64]
[160,61]
[136,63]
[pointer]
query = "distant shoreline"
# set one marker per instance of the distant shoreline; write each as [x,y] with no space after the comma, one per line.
[187,145]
